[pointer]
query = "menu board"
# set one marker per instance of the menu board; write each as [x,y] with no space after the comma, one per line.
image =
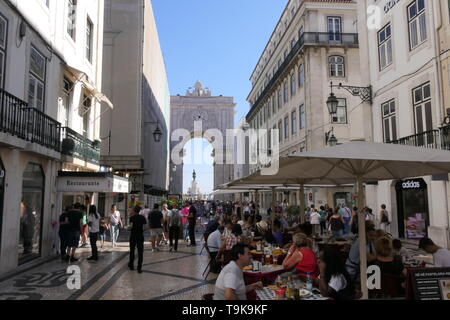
[431,283]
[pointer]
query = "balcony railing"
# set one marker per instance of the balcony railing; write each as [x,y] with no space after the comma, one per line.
[433,139]
[76,145]
[307,38]
[29,124]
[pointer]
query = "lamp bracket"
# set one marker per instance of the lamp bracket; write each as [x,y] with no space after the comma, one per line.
[365,93]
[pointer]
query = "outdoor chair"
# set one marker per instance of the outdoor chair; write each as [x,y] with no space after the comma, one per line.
[208,266]
[205,239]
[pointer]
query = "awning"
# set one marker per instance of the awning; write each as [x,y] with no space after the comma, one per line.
[84,79]
[104,182]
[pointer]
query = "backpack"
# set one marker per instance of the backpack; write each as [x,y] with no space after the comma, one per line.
[175,219]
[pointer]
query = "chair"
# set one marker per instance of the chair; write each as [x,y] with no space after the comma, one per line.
[208,296]
[205,239]
[210,257]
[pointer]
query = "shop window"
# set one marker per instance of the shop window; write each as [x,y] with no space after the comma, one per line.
[31,209]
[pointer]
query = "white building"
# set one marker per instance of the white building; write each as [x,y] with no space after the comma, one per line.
[135,78]
[51,62]
[313,44]
[400,52]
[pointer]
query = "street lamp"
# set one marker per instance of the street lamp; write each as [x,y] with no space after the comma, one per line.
[157,134]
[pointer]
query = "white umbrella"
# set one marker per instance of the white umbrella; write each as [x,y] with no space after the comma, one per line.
[356,162]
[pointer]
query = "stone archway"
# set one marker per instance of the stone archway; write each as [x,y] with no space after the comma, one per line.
[215,114]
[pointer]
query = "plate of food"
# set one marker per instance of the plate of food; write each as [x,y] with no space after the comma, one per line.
[273,287]
[248,268]
[304,293]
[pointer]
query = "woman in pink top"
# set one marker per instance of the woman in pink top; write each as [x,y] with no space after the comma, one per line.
[184,214]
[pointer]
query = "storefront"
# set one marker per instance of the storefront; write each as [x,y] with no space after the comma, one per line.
[98,187]
[413,210]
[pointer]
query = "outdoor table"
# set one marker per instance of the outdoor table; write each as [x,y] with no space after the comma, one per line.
[269,294]
[267,274]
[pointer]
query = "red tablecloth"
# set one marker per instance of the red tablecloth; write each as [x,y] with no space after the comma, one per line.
[267,278]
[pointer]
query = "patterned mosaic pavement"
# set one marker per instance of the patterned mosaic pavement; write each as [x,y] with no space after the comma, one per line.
[166,276]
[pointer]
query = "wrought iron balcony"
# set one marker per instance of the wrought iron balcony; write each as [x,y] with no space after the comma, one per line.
[77,146]
[306,39]
[433,139]
[29,124]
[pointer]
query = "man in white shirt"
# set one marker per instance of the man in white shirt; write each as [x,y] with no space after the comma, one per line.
[230,284]
[214,243]
[441,256]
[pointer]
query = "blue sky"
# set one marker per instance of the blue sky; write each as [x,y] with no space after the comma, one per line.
[217,42]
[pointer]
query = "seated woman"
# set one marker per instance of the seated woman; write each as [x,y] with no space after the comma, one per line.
[385,258]
[301,257]
[334,281]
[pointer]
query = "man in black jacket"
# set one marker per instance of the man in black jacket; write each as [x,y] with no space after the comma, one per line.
[192,217]
[137,223]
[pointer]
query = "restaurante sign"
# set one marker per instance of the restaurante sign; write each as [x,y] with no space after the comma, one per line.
[389,5]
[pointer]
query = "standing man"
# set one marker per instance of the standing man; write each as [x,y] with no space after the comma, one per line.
[192,217]
[137,223]
[63,233]
[174,223]
[75,226]
[347,215]
[384,218]
[155,222]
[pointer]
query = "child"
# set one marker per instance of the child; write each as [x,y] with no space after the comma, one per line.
[102,231]
[400,251]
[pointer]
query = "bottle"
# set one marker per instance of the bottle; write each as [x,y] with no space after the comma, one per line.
[309,282]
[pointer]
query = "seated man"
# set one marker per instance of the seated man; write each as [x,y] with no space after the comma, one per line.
[230,284]
[212,225]
[214,243]
[352,264]
[441,256]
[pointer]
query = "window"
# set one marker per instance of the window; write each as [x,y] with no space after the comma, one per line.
[334,29]
[285,54]
[31,210]
[294,122]
[423,113]
[293,85]
[3,41]
[87,103]
[71,18]
[389,121]
[341,114]
[280,103]
[280,131]
[285,92]
[269,109]
[417,23]
[336,65]
[300,32]
[385,46]
[89,37]
[301,75]
[65,112]
[286,127]
[292,43]
[302,116]
[36,87]
[274,104]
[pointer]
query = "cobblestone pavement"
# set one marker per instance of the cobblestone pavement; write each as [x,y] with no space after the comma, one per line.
[166,276]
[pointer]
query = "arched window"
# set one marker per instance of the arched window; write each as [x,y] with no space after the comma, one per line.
[31,209]
[293,85]
[336,66]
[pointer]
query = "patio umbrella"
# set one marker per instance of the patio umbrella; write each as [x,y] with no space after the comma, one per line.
[356,162]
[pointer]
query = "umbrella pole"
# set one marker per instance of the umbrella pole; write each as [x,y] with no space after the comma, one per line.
[302,203]
[362,239]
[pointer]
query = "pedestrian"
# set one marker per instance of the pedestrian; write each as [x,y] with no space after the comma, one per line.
[192,217]
[137,225]
[337,224]
[354,221]
[384,218]
[155,222]
[165,211]
[323,220]
[64,233]
[115,223]
[84,230]
[174,224]
[347,216]
[315,221]
[75,226]
[94,229]
[184,221]
[102,231]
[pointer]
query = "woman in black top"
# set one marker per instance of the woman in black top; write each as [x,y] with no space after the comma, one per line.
[385,258]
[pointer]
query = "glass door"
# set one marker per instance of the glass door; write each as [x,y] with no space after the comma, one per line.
[334,29]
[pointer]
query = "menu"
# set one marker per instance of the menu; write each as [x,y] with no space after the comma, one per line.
[431,283]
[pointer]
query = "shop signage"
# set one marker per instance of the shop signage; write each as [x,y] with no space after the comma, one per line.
[93,184]
[411,184]
[389,5]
